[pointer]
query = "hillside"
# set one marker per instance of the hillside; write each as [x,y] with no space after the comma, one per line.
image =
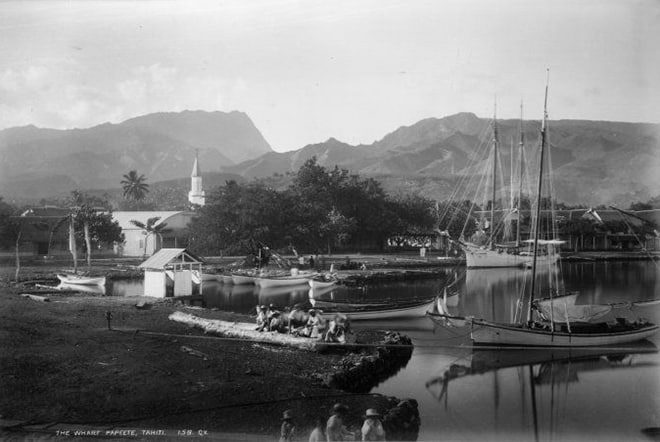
[594,162]
[36,163]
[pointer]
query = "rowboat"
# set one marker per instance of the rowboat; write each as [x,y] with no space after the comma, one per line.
[386,311]
[81,280]
[239,279]
[96,289]
[322,283]
[282,281]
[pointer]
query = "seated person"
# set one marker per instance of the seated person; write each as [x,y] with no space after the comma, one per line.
[314,324]
[261,318]
[337,329]
[277,324]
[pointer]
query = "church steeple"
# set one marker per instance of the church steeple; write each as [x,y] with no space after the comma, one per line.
[196,194]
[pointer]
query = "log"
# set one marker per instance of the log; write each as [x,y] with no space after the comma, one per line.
[246,331]
[35,297]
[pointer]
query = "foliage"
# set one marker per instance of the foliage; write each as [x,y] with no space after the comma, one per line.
[134,187]
[152,227]
[319,210]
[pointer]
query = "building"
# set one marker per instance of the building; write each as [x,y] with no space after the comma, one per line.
[167,229]
[196,195]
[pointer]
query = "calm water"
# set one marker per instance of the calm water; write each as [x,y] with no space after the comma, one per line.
[467,394]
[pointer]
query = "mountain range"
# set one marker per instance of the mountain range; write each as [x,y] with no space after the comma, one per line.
[594,162]
[37,163]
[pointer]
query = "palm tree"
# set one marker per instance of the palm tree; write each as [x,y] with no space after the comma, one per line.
[151,228]
[134,186]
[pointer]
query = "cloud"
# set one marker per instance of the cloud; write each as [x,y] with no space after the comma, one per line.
[50,96]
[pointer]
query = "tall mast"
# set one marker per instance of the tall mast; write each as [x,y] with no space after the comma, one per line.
[538,195]
[521,146]
[495,153]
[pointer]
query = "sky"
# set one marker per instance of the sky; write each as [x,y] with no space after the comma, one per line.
[305,71]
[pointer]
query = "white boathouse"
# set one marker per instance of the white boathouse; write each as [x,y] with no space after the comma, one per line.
[175,265]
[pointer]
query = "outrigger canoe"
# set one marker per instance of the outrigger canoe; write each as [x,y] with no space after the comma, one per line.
[81,280]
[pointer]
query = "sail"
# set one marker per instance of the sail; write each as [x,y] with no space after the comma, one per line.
[563,311]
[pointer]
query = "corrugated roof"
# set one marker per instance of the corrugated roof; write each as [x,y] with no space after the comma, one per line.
[164,257]
[124,218]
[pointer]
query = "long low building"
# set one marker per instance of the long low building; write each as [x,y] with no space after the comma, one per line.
[139,242]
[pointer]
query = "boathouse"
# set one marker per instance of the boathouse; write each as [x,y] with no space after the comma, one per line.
[171,268]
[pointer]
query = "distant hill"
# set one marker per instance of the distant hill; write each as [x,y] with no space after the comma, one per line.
[37,163]
[594,162]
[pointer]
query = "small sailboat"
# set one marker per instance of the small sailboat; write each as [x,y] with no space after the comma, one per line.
[538,330]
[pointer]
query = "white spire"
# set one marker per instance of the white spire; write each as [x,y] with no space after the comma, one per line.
[196,194]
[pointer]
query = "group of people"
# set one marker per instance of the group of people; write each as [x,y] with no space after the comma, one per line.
[310,324]
[335,429]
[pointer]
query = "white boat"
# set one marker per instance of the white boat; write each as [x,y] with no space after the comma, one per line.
[487,253]
[96,289]
[241,278]
[538,331]
[225,279]
[283,281]
[321,284]
[81,280]
[388,311]
[484,257]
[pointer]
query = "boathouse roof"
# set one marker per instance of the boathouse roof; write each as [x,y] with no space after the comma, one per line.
[167,257]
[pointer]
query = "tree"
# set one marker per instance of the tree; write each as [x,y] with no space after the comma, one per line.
[95,223]
[134,187]
[151,228]
[10,232]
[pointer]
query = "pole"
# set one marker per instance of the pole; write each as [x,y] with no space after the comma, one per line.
[538,198]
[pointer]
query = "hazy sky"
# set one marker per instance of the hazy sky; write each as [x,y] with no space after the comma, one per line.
[305,71]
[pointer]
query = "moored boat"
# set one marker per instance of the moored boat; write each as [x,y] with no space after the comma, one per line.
[242,278]
[81,280]
[386,311]
[541,331]
[282,281]
[322,282]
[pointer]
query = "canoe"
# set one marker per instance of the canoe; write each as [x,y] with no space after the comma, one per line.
[386,311]
[81,280]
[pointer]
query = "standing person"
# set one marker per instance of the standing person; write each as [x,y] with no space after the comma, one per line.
[335,429]
[311,261]
[288,426]
[317,434]
[372,429]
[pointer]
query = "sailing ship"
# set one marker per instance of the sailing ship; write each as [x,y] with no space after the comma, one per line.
[512,254]
[537,331]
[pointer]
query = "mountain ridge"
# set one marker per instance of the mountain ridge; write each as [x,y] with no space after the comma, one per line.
[595,162]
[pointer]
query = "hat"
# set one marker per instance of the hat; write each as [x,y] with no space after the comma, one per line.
[288,414]
[262,307]
[340,408]
[372,412]
[311,310]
